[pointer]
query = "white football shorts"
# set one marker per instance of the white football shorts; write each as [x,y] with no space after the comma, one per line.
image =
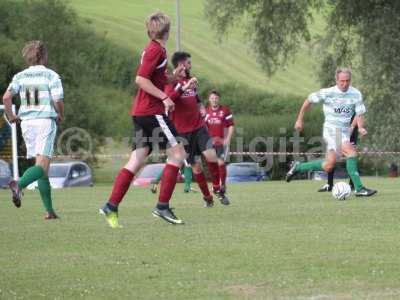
[335,137]
[39,136]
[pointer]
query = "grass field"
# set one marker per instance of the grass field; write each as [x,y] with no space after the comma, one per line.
[229,61]
[276,241]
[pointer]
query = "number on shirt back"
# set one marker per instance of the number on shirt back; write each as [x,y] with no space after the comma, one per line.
[32,97]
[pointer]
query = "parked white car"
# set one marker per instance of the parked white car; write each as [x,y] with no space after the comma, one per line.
[68,174]
[5,174]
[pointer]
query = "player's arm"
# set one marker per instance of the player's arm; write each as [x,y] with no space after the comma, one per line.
[360,110]
[202,109]
[175,74]
[354,122]
[7,100]
[146,85]
[148,65]
[361,124]
[174,92]
[57,94]
[229,127]
[59,107]
[12,90]
[299,125]
[228,136]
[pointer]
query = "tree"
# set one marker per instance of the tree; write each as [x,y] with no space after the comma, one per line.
[363,34]
[274,28]
[96,74]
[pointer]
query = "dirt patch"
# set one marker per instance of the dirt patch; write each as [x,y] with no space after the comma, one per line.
[246,290]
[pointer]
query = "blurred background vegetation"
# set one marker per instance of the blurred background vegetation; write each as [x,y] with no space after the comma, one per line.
[96,52]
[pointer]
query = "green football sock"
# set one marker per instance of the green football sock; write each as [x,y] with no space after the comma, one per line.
[45,193]
[31,175]
[352,170]
[315,165]
[188,174]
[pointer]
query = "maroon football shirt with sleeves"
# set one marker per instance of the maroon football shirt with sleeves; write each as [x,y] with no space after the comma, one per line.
[186,116]
[217,120]
[153,66]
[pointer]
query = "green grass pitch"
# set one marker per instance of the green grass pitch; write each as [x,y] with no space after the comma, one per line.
[276,241]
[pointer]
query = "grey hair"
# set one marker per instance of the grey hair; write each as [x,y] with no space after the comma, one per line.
[342,70]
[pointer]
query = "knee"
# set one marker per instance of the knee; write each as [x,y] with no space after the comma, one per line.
[210,155]
[196,168]
[351,155]
[328,166]
[177,155]
[44,163]
[180,155]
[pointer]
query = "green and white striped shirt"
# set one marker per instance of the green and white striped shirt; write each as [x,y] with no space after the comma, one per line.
[339,107]
[37,87]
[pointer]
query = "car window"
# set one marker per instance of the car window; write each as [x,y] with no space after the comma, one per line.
[151,171]
[78,171]
[58,171]
[5,170]
[82,170]
[243,170]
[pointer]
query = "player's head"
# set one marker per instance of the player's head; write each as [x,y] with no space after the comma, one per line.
[343,78]
[158,25]
[35,53]
[213,98]
[183,58]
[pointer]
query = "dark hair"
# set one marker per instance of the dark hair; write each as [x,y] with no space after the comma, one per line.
[215,92]
[178,57]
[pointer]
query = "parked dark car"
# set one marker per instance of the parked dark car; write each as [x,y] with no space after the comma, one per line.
[245,172]
[149,173]
[68,174]
[5,174]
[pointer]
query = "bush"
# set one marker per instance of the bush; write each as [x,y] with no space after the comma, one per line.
[97,76]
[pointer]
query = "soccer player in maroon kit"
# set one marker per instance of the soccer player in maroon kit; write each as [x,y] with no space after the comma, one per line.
[151,125]
[219,120]
[188,118]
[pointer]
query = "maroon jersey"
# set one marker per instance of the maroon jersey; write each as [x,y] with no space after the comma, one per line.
[153,66]
[217,120]
[186,115]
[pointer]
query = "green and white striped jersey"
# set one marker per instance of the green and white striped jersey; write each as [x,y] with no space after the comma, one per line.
[37,87]
[338,106]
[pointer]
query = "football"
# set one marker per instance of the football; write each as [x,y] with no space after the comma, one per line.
[341,191]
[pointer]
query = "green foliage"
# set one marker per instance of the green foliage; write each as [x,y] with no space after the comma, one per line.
[376,38]
[85,61]
[275,29]
[221,62]
[363,35]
